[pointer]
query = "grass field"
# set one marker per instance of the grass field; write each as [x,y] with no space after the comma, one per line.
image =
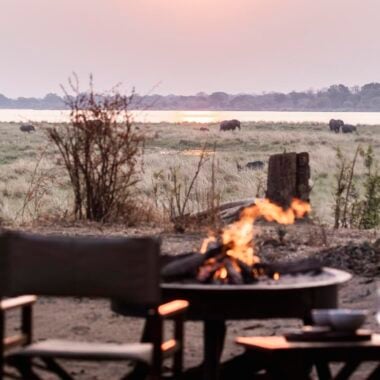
[33,182]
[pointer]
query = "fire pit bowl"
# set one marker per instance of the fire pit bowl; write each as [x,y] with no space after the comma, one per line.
[292,297]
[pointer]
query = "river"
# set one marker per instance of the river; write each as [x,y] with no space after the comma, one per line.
[55,116]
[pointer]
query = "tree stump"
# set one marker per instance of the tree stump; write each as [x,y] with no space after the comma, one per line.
[288,178]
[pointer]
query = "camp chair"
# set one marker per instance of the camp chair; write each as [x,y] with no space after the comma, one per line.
[125,269]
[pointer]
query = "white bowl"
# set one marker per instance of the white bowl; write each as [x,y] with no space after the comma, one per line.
[321,317]
[347,319]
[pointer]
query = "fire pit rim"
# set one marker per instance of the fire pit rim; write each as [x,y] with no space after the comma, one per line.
[337,277]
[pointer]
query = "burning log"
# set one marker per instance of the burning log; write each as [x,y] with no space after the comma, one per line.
[189,264]
[246,272]
[207,272]
[231,258]
[233,275]
[183,267]
[311,266]
[206,269]
[227,212]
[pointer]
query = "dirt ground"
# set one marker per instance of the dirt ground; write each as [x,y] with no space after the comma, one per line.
[92,320]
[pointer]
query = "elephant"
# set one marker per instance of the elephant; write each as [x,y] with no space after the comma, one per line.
[348,128]
[255,165]
[228,125]
[335,125]
[252,165]
[27,128]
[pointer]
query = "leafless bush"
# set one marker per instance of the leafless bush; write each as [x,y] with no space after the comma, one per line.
[370,205]
[101,150]
[177,192]
[346,197]
[260,180]
[318,236]
[357,203]
[39,186]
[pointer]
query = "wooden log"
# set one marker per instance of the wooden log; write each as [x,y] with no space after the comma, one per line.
[234,277]
[311,266]
[288,178]
[303,176]
[183,267]
[188,265]
[224,210]
[282,178]
[206,272]
[246,272]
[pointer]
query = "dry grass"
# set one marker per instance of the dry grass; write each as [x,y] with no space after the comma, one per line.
[176,145]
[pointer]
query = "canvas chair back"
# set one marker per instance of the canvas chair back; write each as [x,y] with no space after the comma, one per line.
[126,269]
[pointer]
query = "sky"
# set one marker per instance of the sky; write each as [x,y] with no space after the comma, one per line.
[188,46]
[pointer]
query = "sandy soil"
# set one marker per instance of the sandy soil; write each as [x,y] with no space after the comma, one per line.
[92,320]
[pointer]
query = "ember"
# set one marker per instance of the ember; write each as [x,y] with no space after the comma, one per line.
[231,258]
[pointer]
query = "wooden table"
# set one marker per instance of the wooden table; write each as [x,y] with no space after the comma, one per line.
[291,360]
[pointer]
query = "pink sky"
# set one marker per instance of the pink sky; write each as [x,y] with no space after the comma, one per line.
[188,45]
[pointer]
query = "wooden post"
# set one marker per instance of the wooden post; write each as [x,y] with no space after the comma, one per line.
[288,178]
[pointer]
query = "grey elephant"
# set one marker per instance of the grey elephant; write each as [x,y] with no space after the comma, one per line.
[348,128]
[229,125]
[255,165]
[252,165]
[27,128]
[335,125]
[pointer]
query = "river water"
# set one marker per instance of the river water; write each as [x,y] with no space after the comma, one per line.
[55,116]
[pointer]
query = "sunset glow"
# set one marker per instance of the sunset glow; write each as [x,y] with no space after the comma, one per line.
[188,46]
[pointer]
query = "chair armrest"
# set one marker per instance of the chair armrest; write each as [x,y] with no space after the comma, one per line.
[12,303]
[173,308]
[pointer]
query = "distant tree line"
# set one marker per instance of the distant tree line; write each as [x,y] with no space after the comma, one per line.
[334,98]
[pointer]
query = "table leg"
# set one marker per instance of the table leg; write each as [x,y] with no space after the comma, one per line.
[283,366]
[323,370]
[375,374]
[348,369]
[307,320]
[213,335]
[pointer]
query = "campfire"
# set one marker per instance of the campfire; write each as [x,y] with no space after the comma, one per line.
[230,257]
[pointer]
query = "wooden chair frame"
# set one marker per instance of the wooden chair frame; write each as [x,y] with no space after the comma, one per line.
[21,358]
[174,310]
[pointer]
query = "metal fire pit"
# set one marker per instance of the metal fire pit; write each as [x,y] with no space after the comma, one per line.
[214,304]
[259,300]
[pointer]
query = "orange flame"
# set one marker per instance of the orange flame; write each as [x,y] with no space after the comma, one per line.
[223,273]
[206,242]
[238,237]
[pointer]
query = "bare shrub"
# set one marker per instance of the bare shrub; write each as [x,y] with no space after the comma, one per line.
[357,203]
[101,150]
[41,191]
[180,194]
[38,187]
[370,206]
[346,197]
